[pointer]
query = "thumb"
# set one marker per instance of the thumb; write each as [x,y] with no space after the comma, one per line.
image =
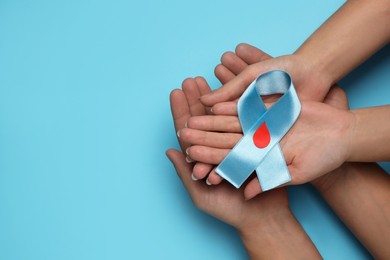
[233,89]
[252,189]
[337,98]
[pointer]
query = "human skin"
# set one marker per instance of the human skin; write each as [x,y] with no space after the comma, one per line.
[359,193]
[330,53]
[321,140]
[351,35]
[350,136]
[265,224]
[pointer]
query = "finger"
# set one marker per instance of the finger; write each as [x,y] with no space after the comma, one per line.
[250,54]
[192,93]
[203,86]
[252,189]
[201,170]
[298,176]
[235,87]
[229,124]
[270,99]
[180,113]
[207,154]
[225,108]
[214,178]
[210,139]
[204,89]
[184,170]
[223,74]
[337,98]
[233,63]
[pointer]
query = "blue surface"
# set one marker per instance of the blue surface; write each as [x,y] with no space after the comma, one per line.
[85,122]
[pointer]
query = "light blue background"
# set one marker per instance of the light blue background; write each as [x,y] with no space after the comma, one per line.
[85,122]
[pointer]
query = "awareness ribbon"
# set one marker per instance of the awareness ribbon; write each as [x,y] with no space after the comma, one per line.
[259,148]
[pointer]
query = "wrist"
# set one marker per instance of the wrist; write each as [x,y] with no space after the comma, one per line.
[352,135]
[266,225]
[270,232]
[314,75]
[326,183]
[279,237]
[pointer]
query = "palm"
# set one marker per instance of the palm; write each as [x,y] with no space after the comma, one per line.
[318,131]
[227,204]
[224,201]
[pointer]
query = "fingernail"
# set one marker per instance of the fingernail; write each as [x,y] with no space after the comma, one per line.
[186,125]
[188,151]
[193,177]
[211,110]
[208,182]
[189,160]
[178,133]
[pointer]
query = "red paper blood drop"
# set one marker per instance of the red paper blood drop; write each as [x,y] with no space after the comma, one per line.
[262,137]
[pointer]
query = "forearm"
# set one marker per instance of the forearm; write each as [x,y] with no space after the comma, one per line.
[351,35]
[281,237]
[359,193]
[370,135]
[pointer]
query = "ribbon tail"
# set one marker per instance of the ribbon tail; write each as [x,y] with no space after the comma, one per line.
[272,171]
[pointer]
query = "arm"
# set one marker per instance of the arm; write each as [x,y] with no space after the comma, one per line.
[265,224]
[280,237]
[320,141]
[350,36]
[357,30]
[370,137]
[359,193]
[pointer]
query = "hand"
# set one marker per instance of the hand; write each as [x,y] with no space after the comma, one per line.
[317,143]
[233,64]
[223,202]
[309,83]
[264,223]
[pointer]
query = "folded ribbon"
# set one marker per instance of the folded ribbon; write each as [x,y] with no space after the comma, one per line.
[259,148]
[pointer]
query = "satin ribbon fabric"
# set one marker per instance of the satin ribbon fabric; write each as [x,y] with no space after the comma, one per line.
[259,148]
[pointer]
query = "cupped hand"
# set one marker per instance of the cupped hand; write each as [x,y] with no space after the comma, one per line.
[316,144]
[224,201]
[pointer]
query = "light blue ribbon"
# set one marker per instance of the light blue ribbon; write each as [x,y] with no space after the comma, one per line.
[246,157]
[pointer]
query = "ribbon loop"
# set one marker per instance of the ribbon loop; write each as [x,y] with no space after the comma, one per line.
[259,148]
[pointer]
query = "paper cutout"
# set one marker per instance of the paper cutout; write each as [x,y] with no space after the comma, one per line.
[262,137]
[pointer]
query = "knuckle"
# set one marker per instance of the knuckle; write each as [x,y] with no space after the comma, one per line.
[214,123]
[250,69]
[215,155]
[203,138]
[186,134]
[195,152]
[191,123]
